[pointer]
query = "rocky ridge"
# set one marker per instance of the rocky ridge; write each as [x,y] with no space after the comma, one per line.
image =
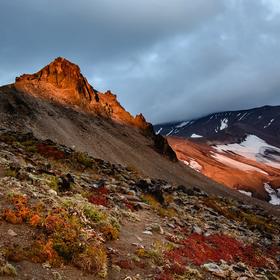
[228,127]
[66,215]
[63,82]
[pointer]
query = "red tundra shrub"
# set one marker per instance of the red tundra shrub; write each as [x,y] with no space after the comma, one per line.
[125,264]
[100,197]
[102,191]
[199,249]
[98,200]
[11,216]
[50,151]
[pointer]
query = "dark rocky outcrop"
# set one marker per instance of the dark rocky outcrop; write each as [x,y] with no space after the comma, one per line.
[162,146]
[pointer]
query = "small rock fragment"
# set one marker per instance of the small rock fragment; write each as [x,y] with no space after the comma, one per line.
[12,233]
[139,238]
[148,232]
[52,192]
[216,270]
[197,230]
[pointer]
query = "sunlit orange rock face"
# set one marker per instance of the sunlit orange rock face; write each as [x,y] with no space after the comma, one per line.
[62,81]
[236,172]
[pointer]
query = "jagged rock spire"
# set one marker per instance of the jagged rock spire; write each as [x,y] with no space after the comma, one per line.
[61,81]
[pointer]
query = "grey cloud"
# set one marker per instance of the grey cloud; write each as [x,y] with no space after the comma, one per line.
[170,60]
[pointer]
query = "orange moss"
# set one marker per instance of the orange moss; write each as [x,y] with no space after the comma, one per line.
[35,220]
[42,251]
[59,237]
[54,222]
[93,259]
[109,232]
[51,254]
[19,200]
[11,216]
[23,212]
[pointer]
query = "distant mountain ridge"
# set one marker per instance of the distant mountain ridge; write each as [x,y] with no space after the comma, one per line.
[239,149]
[229,126]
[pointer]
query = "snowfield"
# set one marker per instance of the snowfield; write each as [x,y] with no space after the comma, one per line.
[193,164]
[158,132]
[196,136]
[170,132]
[274,195]
[254,148]
[237,164]
[182,124]
[269,124]
[224,124]
[245,193]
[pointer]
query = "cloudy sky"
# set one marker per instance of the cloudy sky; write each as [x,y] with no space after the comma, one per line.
[169,59]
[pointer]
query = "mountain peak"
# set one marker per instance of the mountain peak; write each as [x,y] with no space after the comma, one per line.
[63,68]
[60,65]
[62,81]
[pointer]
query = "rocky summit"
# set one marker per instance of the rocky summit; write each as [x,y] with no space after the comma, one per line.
[63,82]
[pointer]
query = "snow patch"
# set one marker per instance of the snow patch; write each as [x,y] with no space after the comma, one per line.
[274,195]
[243,116]
[237,164]
[224,124]
[193,164]
[269,124]
[245,192]
[158,132]
[182,124]
[196,136]
[254,148]
[170,132]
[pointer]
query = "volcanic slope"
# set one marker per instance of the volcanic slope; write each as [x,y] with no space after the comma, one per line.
[58,103]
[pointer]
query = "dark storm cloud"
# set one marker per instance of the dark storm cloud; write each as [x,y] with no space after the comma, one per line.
[170,60]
